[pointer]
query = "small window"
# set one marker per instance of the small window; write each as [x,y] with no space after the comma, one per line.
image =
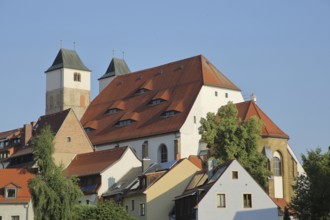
[77,77]
[87,202]
[11,193]
[221,200]
[235,174]
[277,166]
[216,93]
[124,122]
[195,119]
[88,129]
[163,153]
[226,95]
[112,111]
[15,217]
[247,200]
[141,91]
[156,101]
[126,207]
[169,114]
[132,205]
[142,209]
[145,153]
[68,139]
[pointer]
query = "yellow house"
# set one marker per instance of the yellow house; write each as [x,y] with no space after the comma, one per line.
[152,197]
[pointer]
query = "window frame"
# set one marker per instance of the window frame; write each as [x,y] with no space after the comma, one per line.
[234,174]
[142,209]
[247,200]
[221,200]
[14,195]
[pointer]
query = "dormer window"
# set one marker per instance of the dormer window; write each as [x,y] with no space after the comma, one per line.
[169,113]
[156,101]
[87,130]
[141,91]
[124,122]
[112,111]
[77,77]
[10,193]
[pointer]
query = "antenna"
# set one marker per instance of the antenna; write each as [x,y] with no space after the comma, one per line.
[123,55]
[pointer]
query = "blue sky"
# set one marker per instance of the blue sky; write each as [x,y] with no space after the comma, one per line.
[279,50]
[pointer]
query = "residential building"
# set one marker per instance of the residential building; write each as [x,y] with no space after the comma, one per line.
[226,192]
[68,84]
[157,111]
[15,197]
[70,139]
[151,195]
[98,171]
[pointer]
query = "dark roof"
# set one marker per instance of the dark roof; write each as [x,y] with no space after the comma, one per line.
[94,162]
[54,121]
[116,67]
[170,82]
[270,129]
[67,59]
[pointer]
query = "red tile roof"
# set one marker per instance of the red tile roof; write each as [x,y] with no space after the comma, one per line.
[15,178]
[270,129]
[94,162]
[177,83]
[280,202]
[10,134]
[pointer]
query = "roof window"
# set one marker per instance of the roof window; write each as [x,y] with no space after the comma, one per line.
[88,129]
[112,111]
[169,113]
[141,91]
[124,122]
[156,101]
[10,193]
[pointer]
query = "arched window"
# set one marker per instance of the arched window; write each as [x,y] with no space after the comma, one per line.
[162,153]
[76,77]
[277,166]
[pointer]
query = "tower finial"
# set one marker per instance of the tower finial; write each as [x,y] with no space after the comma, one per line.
[123,55]
[113,53]
[74,45]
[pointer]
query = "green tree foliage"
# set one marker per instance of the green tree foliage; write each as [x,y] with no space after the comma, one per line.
[312,190]
[105,210]
[230,138]
[53,194]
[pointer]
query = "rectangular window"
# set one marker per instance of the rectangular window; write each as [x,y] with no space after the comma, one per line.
[145,151]
[216,93]
[11,193]
[221,200]
[195,120]
[247,200]
[132,205]
[142,209]
[15,217]
[235,174]
[226,95]
[126,207]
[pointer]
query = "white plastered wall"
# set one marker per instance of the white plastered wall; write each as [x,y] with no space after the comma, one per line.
[23,210]
[209,99]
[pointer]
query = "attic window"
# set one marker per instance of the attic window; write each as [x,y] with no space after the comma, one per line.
[124,122]
[169,113]
[112,111]
[141,91]
[11,193]
[87,130]
[156,101]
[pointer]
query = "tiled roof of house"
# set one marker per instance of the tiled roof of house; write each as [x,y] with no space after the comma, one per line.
[10,133]
[270,129]
[67,59]
[150,102]
[94,162]
[15,178]
[116,67]
[54,121]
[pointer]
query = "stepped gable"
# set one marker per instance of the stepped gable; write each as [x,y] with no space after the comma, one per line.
[94,162]
[175,85]
[270,129]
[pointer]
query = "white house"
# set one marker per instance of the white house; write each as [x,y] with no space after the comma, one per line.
[157,111]
[98,171]
[228,192]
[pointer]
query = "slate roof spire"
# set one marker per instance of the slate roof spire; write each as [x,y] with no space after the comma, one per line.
[117,67]
[67,59]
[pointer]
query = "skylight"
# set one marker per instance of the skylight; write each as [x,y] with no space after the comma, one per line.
[156,101]
[112,111]
[141,91]
[169,113]
[124,122]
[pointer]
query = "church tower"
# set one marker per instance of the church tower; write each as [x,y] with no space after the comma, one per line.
[68,84]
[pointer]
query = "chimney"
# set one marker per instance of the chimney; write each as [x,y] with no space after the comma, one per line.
[145,164]
[27,133]
[253,97]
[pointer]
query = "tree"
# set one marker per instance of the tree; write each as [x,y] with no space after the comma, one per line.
[53,194]
[312,189]
[230,138]
[105,210]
